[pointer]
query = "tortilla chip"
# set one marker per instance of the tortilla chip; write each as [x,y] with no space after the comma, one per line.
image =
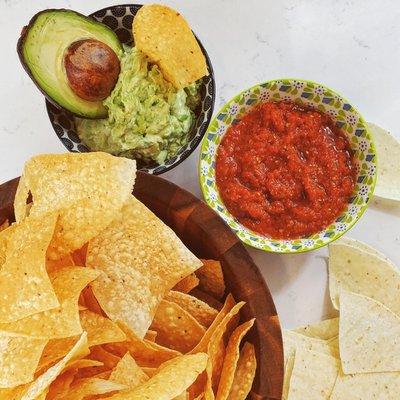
[91,302]
[62,262]
[368,335]
[364,273]
[376,386]
[19,358]
[151,335]
[100,330]
[231,360]
[201,311]
[245,373]
[176,328]
[86,189]
[170,381]
[324,330]
[108,359]
[145,353]
[313,376]
[25,286]
[288,374]
[137,269]
[211,278]
[388,150]
[128,373]
[4,236]
[187,284]
[79,256]
[62,321]
[166,38]
[41,384]
[206,298]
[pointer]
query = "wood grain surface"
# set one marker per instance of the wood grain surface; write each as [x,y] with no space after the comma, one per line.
[205,233]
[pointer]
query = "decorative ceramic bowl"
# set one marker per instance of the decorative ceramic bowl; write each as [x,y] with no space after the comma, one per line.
[119,19]
[308,94]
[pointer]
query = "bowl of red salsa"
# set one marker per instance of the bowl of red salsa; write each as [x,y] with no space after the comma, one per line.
[290,165]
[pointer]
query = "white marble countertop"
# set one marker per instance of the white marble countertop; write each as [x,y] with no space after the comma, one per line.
[350,45]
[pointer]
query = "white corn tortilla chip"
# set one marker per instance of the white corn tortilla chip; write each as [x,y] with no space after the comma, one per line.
[324,330]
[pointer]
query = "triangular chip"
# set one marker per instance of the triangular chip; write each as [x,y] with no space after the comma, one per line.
[86,189]
[388,149]
[368,335]
[176,328]
[170,381]
[128,373]
[288,374]
[324,330]
[245,373]
[355,270]
[211,278]
[25,285]
[187,284]
[137,269]
[62,321]
[313,376]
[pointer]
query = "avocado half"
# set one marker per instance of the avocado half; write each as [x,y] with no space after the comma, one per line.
[41,50]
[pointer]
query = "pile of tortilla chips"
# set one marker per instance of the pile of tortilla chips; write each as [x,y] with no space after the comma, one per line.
[355,356]
[94,295]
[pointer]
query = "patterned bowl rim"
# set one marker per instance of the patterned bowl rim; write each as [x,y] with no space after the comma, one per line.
[264,239]
[195,141]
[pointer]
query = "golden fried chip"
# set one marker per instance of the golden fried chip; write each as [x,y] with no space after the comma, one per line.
[170,381]
[245,373]
[62,262]
[86,189]
[19,358]
[151,335]
[91,302]
[137,269]
[25,286]
[231,360]
[62,321]
[201,311]
[187,284]
[79,256]
[211,278]
[128,373]
[176,328]
[166,38]
[207,298]
[108,359]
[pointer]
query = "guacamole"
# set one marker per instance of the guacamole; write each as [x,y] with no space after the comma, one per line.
[148,118]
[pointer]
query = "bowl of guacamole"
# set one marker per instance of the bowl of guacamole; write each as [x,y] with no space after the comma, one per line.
[148,120]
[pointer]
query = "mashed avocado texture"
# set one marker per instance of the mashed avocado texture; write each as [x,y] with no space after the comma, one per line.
[148,118]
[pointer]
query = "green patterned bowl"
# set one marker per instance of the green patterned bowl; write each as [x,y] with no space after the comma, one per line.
[309,94]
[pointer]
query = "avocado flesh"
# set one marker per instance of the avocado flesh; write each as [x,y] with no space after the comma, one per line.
[42,50]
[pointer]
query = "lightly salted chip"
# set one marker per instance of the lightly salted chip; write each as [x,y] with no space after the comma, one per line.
[369,335]
[170,381]
[87,190]
[25,285]
[324,330]
[166,38]
[137,270]
[388,149]
[128,373]
[355,270]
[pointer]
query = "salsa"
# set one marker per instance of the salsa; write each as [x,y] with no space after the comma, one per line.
[285,171]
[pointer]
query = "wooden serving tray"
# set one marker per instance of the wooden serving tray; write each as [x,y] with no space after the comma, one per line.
[207,236]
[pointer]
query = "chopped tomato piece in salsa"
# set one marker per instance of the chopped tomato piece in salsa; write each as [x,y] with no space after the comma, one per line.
[285,171]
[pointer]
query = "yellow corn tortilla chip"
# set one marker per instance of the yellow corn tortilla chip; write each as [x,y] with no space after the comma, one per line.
[136,269]
[288,374]
[231,360]
[151,335]
[368,335]
[324,330]
[201,311]
[100,330]
[245,373]
[62,321]
[166,38]
[187,284]
[86,189]
[388,149]
[19,358]
[374,386]
[25,285]
[357,271]
[211,278]
[79,256]
[91,302]
[176,328]
[182,396]
[108,359]
[128,373]
[145,353]
[170,381]
[4,236]
[62,262]
[313,376]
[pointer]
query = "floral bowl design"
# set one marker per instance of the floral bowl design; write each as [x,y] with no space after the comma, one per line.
[310,94]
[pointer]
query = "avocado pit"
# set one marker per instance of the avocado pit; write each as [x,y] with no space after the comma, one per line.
[92,69]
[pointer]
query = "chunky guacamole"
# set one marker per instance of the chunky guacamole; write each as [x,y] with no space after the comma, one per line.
[148,118]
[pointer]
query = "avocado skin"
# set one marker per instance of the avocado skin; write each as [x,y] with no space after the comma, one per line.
[20,47]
